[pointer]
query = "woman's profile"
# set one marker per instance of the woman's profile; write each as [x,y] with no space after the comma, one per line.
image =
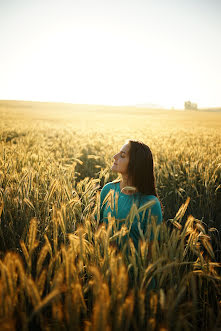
[134,163]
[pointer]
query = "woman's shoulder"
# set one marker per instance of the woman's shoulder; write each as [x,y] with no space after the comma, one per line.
[156,207]
[146,198]
[109,186]
[106,189]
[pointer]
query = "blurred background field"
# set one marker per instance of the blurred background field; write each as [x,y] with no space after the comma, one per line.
[53,160]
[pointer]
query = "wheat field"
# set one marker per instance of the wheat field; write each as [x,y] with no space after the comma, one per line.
[59,268]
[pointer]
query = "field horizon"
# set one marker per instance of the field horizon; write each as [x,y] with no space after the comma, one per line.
[60,104]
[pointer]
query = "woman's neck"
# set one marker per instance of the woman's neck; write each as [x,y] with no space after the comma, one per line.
[124,183]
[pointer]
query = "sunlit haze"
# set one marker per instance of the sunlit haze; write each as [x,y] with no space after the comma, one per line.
[113,52]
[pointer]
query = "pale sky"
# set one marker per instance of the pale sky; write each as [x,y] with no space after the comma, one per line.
[113,52]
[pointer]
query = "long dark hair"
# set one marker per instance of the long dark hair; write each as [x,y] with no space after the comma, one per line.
[141,169]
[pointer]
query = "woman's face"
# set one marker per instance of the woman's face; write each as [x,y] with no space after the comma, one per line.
[121,160]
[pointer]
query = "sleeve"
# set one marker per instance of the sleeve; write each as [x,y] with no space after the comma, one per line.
[156,212]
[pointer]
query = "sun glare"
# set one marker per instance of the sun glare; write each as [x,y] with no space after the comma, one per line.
[90,72]
[91,59]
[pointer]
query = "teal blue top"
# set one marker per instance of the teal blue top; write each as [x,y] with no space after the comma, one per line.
[118,205]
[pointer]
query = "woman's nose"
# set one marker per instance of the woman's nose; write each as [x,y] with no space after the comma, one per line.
[115,156]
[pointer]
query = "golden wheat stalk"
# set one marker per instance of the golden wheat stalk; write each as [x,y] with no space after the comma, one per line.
[45,302]
[32,243]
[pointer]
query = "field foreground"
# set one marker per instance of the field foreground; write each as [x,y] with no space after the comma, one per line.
[60,270]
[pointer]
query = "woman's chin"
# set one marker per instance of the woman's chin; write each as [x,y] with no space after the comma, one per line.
[113,168]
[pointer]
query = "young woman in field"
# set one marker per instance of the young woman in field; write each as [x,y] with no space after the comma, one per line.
[134,163]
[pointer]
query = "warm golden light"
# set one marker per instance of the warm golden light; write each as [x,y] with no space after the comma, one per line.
[120,54]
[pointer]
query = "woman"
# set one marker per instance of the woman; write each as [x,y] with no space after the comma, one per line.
[134,163]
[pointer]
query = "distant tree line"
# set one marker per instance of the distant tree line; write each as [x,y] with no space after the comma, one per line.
[188,105]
